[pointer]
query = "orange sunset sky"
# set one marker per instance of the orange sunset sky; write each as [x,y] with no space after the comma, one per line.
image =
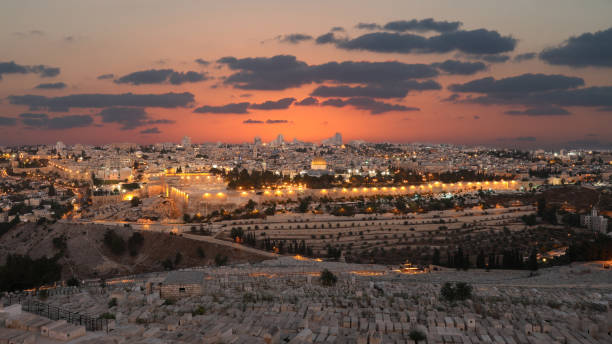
[550,62]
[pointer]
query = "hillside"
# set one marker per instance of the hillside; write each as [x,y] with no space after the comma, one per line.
[86,255]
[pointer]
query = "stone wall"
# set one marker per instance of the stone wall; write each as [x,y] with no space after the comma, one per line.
[176,291]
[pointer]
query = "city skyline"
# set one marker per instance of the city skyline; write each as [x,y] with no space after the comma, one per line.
[399,71]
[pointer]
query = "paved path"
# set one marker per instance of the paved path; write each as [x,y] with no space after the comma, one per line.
[229,244]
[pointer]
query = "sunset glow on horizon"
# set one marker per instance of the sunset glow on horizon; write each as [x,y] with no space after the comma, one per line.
[397,71]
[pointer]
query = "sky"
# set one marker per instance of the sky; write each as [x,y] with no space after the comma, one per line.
[503,73]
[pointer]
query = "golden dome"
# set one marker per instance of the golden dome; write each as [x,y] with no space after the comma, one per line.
[318,161]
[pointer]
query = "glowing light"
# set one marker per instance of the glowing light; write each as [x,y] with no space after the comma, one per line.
[220,194]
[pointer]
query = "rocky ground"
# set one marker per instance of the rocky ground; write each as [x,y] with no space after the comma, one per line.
[86,255]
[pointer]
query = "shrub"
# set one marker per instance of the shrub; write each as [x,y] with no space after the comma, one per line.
[459,292]
[112,303]
[200,252]
[134,243]
[134,202]
[237,233]
[167,264]
[73,282]
[200,310]
[178,258]
[328,278]
[417,336]
[107,316]
[60,243]
[114,242]
[220,259]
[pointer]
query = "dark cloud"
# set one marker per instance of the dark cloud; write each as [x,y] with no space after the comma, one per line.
[326,38]
[165,100]
[459,67]
[153,130]
[43,121]
[52,86]
[273,105]
[285,71]
[335,102]
[128,117]
[476,117]
[452,98]
[495,58]
[367,26]
[14,68]
[202,62]
[524,57]
[606,109]
[536,90]
[519,139]
[232,108]
[391,90]
[160,76]
[540,111]
[308,101]
[588,49]
[7,121]
[294,38]
[477,42]
[588,97]
[45,71]
[252,121]
[337,29]
[522,84]
[30,33]
[373,106]
[160,121]
[276,121]
[105,76]
[584,143]
[423,25]
[526,138]
[591,96]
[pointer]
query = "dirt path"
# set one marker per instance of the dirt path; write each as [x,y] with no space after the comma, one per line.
[229,244]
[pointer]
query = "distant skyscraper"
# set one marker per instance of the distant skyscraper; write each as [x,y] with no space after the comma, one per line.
[59,146]
[257,141]
[335,140]
[186,142]
[279,140]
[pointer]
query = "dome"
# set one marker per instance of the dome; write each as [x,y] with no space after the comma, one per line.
[318,161]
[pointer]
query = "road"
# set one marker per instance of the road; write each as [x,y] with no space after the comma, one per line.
[229,244]
[180,229]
